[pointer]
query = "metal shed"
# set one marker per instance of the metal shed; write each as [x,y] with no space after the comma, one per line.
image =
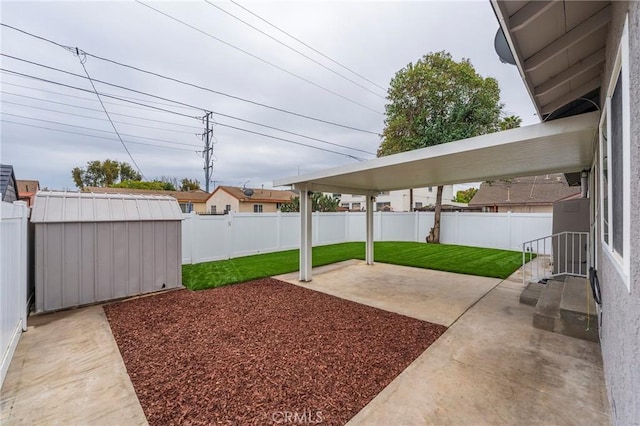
[96,247]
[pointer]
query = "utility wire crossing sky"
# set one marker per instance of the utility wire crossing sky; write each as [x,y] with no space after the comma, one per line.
[302,83]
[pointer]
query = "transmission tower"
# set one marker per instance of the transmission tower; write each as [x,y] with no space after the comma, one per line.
[207,154]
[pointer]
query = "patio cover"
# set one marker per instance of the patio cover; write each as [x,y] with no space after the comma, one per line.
[558,146]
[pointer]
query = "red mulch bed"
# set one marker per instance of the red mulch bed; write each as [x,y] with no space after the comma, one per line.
[261,352]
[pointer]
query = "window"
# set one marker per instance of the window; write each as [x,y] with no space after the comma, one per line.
[615,147]
[344,205]
[383,206]
[227,209]
[355,206]
[214,209]
[257,208]
[186,207]
[418,205]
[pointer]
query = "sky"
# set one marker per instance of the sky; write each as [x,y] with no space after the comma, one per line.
[47,129]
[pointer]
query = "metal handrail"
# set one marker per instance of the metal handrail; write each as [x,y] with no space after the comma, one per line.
[557,257]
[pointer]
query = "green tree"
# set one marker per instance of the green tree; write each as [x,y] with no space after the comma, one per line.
[465,195]
[509,122]
[156,185]
[319,203]
[434,101]
[187,184]
[103,173]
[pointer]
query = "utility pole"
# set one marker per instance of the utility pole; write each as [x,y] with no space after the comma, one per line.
[207,154]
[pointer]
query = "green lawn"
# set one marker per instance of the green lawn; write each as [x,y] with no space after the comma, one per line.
[461,259]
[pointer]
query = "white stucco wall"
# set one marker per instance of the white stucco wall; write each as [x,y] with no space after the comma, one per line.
[620,333]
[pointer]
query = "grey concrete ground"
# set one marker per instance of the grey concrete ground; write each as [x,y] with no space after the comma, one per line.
[67,370]
[490,367]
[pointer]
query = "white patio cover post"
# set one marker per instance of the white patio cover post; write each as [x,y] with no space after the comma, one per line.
[305,234]
[369,215]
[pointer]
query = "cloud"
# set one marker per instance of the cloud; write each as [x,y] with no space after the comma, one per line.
[374,38]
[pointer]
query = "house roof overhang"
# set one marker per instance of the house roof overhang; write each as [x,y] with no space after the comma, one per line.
[559,49]
[558,146]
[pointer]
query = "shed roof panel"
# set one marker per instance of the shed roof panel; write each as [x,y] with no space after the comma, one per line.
[55,207]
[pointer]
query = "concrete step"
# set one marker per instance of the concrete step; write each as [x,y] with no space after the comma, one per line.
[566,307]
[547,312]
[531,293]
[578,310]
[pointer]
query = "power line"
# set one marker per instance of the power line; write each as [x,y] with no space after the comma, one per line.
[176,80]
[97,110]
[93,136]
[97,130]
[4,83]
[38,64]
[170,100]
[259,58]
[170,147]
[219,124]
[89,91]
[124,145]
[305,44]
[294,49]
[290,141]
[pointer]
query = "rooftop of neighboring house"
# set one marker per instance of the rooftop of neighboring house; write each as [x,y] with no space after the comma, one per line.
[261,195]
[196,196]
[27,187]
[538,190]
[6,175]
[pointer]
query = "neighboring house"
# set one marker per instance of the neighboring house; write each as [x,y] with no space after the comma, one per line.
[398,201]
[27,190]
[227,199]
[190,201]
[8,186]
[534,194]
[580,63]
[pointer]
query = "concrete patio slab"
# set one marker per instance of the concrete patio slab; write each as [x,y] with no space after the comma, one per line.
[492,367]
[67,370]
[434,296]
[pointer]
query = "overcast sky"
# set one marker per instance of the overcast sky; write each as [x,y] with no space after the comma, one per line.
[374,39]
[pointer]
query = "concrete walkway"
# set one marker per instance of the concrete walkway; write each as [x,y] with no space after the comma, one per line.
[67,370]
[490,367]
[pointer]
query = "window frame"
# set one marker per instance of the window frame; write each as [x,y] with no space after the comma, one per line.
[258,208]
[619,72]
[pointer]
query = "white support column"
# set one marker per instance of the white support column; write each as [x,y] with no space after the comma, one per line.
[305,234]
[369,215]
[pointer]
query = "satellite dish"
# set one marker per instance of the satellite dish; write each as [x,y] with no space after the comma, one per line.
[247,191]
[502,48]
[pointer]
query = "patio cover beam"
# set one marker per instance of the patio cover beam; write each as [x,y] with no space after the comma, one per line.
[559,146]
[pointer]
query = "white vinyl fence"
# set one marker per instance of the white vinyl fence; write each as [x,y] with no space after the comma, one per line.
[206,238]
[13,279]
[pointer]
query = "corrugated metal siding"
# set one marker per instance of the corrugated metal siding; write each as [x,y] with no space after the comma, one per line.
[58,207]
[82,263]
